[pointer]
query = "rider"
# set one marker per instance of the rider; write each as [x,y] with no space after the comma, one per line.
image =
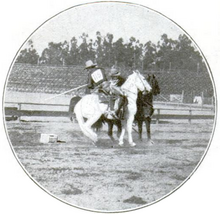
[96,77]
[116,82]
[116,77]
[97,82]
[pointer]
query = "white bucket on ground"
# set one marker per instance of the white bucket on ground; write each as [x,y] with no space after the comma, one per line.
[48,138]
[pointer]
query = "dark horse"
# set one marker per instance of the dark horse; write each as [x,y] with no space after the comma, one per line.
[145,110]
[145,107]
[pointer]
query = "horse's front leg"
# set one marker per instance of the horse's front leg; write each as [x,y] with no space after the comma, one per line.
[140,124]
[110,128]
[121,142]
[148,123]
[119,127]
[121,138]
[129,130]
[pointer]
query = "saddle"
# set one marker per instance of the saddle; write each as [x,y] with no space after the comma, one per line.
[104,98]
[108,94]
[116,105]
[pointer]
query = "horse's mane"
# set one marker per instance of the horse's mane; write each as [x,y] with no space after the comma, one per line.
[127,82]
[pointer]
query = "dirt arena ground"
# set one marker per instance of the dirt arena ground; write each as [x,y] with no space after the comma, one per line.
[108,177]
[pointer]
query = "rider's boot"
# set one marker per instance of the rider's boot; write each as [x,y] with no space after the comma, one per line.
[112,112]
[121,107]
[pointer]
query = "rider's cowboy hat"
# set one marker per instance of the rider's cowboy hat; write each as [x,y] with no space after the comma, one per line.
[114,72]
[90,64]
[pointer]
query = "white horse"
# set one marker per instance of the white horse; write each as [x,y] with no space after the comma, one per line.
[89,107]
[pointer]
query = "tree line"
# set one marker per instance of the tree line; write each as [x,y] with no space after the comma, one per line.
[166,54]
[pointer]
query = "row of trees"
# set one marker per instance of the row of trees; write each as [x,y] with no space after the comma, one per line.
[167,54]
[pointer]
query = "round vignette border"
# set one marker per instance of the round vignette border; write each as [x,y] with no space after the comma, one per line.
[210,75]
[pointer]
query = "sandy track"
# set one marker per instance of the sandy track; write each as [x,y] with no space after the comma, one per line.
[109,177]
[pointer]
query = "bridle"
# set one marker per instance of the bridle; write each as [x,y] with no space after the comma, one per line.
[138,74]
[145,89]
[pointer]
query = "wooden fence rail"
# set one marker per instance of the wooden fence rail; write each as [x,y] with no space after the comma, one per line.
[16,111]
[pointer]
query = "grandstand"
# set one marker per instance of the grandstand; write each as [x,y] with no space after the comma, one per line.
[57,79]
[45,79]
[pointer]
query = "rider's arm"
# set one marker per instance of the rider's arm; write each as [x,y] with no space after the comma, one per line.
[104,74]
[90,82]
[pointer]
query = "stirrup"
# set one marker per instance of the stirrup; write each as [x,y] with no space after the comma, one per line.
[111,115]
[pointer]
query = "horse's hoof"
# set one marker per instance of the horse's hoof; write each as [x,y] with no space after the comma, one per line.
[121,143]
[95,139]
[112,139]
[94,143]
[132,144]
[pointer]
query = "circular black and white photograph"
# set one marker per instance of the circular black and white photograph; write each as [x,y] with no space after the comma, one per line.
[109,106]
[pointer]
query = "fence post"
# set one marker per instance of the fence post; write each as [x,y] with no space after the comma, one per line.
[182,96]
[158,115]
[202,95]
[19,109]
[190,114]
[213,103]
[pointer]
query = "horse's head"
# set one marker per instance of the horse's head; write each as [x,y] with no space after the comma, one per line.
[140,82]
[154,84]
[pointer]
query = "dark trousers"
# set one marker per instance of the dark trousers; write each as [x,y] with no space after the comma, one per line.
[121,105]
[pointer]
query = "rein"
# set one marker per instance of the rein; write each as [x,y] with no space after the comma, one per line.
[146,103]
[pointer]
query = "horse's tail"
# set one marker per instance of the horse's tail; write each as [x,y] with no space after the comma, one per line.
[72,105]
